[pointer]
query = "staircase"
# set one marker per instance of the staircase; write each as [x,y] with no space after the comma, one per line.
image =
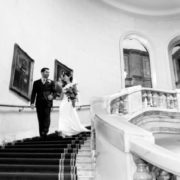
[51,159]
[84,162]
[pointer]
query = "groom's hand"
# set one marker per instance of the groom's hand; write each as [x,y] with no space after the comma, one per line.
[50,97]
[32,106]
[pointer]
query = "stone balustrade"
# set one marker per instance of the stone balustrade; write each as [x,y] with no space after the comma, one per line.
[125,138]
[150,98]
[119,105]
[160,99]
[150,171]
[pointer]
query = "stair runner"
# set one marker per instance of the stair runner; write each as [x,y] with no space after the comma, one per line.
[51,159]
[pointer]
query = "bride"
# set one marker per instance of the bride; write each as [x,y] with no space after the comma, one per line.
[69,122]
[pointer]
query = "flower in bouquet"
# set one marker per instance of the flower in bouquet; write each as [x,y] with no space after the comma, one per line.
[72,93]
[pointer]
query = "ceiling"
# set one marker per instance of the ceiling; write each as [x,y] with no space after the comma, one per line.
[148,7]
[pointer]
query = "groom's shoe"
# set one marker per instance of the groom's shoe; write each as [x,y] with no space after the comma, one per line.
[43,135]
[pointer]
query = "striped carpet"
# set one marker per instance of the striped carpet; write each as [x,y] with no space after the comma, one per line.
[37,159]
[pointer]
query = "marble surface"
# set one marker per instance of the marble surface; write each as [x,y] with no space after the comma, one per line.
[169,141]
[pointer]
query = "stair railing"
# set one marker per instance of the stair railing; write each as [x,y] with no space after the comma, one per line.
[137,98]
[111,129]
[22,107]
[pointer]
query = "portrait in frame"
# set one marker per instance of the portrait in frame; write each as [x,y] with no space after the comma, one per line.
[21,73]
[60,69]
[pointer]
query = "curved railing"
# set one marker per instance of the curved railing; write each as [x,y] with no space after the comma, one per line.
[22,107]
[123,128]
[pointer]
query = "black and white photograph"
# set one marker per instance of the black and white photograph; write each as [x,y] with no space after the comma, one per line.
[90,90]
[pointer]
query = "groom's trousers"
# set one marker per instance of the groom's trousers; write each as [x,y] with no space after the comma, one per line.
[43,114]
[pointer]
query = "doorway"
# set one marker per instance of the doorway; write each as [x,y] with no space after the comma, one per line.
[176,64]
[136,64]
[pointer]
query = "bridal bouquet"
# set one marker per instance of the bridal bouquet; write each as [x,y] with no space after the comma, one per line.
[72,92]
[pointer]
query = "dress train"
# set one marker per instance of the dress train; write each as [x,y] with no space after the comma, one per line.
[69,122]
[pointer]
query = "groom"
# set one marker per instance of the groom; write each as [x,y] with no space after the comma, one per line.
[43,93]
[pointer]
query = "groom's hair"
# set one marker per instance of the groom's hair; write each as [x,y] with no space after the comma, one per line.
[44,69]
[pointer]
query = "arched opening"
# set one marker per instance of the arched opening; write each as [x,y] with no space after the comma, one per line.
[136,57]
[174,56]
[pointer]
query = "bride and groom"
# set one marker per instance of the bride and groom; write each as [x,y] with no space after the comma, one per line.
[43,93]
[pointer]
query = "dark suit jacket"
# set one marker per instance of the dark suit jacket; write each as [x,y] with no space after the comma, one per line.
[41,91]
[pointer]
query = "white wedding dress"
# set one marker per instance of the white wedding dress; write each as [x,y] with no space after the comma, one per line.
[69,122]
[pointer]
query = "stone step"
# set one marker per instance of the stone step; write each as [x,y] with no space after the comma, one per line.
[84,160]
[85,148]
[84,156]
[89,145]
[84,151]
[87,142]
[86,178]
[85,167]
[85,173]
[84,163]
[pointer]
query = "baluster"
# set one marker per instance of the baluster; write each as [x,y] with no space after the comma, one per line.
[115,107]
[147,171]
[125,105]
[121,105]
[171,99]
[168,105]
[155,172]
[142,172]
[155,99]
[164,175]
[144,99]
[175,101]
[112,108]
[149,95]
[164,102]
[161,100]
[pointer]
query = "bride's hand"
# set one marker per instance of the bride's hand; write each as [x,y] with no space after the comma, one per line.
[61,96]
[64,90]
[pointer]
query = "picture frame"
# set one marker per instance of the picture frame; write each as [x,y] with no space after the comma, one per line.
[21,73]
[59,69]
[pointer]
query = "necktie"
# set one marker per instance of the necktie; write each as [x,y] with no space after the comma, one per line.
[44,81]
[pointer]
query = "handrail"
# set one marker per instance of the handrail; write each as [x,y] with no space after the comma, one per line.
[159,90]
[155,155]
[28,107]
[117,109]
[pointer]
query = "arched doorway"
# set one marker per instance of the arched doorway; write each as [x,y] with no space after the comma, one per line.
[136,57]
[174,56]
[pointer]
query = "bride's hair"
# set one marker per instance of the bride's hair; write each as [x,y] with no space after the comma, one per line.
[69,74]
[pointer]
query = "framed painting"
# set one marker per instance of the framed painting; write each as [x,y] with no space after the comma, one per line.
[60,69]
[21,73]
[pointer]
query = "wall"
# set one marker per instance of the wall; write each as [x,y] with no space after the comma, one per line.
[17,123]
[85,35]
